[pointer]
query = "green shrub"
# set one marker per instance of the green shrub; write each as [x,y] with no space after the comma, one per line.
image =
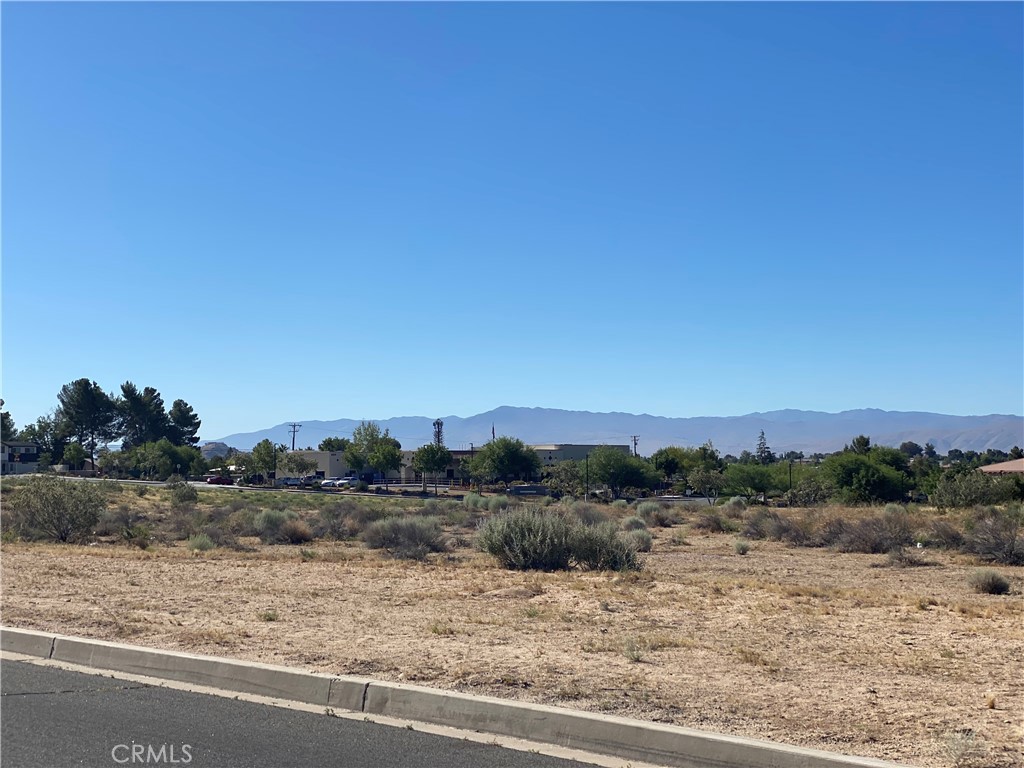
[735,507]
[528,539]
[141,490]
[588,514]
[200,543]
[997,535]
[346,518]
[268,524]
[53,508]
[600,548]
[183,495]
[498,503]
[657,515]
[901,557]
[971,489]
[410,538]
[741,546]
[634,523]
[474,501]
[640,539]
[620,505]
[989,582]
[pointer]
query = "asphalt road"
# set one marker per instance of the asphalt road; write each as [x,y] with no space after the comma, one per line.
[51,718]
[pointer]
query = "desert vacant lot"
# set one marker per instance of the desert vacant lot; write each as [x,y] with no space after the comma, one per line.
[805,646]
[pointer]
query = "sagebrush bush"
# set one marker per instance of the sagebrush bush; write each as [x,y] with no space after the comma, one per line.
[474,501]
[741,546]
[346,518]
[640,539]
[53,508]
[498,503]
[634,523]
[182,494]
[200,543]
[657,515]
[901,557]
[294,531]
[620,505]
[989,582]
[997,535]
[409,538]
[943,534]
[528,539]
[588,514]
[712,522]
[268,524]
[735,507]
[601,548]
[878,533]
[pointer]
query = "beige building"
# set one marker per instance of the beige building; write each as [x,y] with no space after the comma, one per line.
[552,454]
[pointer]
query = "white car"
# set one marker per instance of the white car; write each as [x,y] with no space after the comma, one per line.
[331,482]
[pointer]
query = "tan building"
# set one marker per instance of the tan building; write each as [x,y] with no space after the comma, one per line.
[1014,467]
[552,454]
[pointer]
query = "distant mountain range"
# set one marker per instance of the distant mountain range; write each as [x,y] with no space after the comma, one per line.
[787,430]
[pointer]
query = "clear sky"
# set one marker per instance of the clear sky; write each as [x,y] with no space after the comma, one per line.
[294,211]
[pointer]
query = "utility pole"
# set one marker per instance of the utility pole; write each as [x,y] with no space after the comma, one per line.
[636,438]
[295,428]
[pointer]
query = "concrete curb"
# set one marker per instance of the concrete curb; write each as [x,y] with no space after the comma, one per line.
[603,734]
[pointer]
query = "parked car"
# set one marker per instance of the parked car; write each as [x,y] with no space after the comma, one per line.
[346,482]
[220,480]
[309,481]
[287,482]
[332,482]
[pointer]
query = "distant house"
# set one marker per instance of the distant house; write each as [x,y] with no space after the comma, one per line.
[1014,467]
[19,458]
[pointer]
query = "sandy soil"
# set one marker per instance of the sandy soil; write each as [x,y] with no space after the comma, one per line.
[801,646]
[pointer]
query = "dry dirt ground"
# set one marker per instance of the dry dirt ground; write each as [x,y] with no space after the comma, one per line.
[802,646]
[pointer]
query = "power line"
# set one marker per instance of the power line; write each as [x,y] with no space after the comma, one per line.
[295,428]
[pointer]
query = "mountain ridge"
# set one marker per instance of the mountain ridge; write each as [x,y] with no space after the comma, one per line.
[785,429]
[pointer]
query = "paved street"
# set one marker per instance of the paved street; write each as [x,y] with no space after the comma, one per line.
[51,718]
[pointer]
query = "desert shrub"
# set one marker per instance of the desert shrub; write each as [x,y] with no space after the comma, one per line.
[829,531]
[640,539]
[219,536]
[712,522]
[182,494]
[741,546]
[294,531]
[943,534]
[989,582]
[970,489]
[620,505]
[110,487]
[498,503]
[361,486]
[346,518]
[810,491]
[528,539]
[734,507]
[996,535]
[53,508]
[141,490]
[763,523]
[877,534]
[601,548]
[267,524]
[894,509]
[200,542]
[588,514]
[431,507]
[657,515]
[409,538]
[901,557]
[634,523]
[474,501]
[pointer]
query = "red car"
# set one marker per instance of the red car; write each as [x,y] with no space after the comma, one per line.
[219,480]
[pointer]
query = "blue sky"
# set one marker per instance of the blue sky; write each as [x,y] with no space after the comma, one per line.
[287,212]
